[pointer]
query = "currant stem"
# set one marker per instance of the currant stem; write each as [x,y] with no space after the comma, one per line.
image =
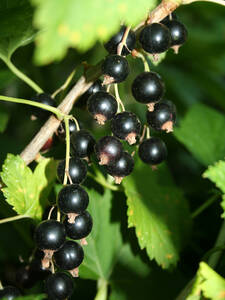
[65,84]
[23,77]
[123,42]
[143,58]
[53,110]
[50,212]
[15,218]
[1,286]
[147,132]
[99,178]
[76,122]
[66,121]
[119,101]
[205,205]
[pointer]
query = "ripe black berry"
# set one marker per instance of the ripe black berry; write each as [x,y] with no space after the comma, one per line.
[121,167]
[80,228]
[102,106]
[148,87]
[70,256]
[72,199]
[43,99]
[152,151]
[163,117]
[170,17]
[115,68]
[178,33]
[126,126]
[9,293]
[155,38]
[108,149]
[50,234]
[82,143]
[77,170]
[59,286]
[62,131]
[95,87]
[112,44]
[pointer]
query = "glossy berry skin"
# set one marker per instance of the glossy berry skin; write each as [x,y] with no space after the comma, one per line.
[59,286]
[94,88]
[50,235]
[148,87]
[170,17]
[155,38]
[72,199]
[9,293]
[108,149]
[69,256]
[152,151]
[82,143]
[81,228]
[178,32]
[43,99]
[163,116]
[126,125]
[62,130]
[77,170]
[112,44]
[102,106]
[115,67]
[121,167]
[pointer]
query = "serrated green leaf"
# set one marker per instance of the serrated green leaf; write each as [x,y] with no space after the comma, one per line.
[16,26]
[81,23]
[209,283]
[202,132]
[158,211]
[26,191]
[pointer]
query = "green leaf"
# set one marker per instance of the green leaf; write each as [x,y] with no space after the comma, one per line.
[216,174]
[209,283]
[4,118]
[158,211]
[16,26]
[202,132]
[157,60]
[26,191]
[80,24]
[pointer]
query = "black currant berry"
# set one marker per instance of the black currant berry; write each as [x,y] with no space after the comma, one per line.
[82,143]
[152,151]
[43,99]
[178,34]
[126,126]
[59,286]
[155,38]
[77,170]
[112,44]
[102,106]
[108,149]
[9,293]
[80,228]
[121,167]
[70,256]
[170,17]
[163,117]
[50,235]
[62,131]
[72,200]
[115,68]
[95,87]
[148,88]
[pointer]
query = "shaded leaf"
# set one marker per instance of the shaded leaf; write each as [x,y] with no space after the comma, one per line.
[4,118]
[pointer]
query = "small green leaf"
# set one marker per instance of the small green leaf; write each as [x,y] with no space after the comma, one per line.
[202,132]
[79,23]
[158,211]
[209,283]
[26,191]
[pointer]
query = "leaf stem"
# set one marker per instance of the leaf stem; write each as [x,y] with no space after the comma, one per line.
[22,76]
[102,290]
[14,218]
[65,84]
[205,205]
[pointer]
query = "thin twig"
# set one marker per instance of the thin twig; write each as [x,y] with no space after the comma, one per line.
[119,101]
[123,42]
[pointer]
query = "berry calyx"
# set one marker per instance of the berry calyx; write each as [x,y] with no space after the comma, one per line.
[59,286]
[77,170]
[69,257]
[121,167]
[155,38]
[163,117]
[178,34]
[46,99]
[108,149]
[102,106]
[80,228]
[126,126]
[9,292]
[115,69]
[72,200]
[112,45]
[82,143]
[152,151]
[148,88]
